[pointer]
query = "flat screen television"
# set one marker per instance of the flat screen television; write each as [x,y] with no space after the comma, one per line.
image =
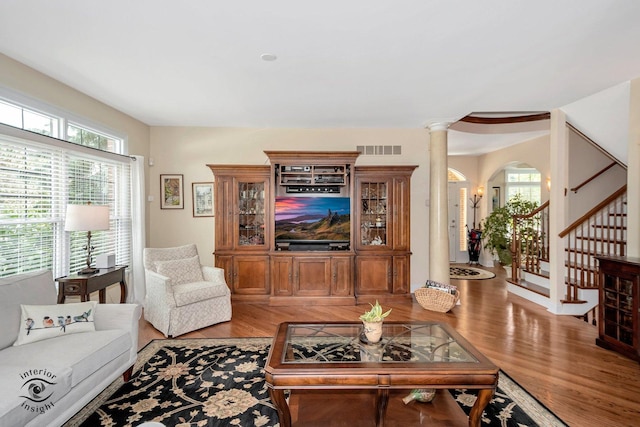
[312,220]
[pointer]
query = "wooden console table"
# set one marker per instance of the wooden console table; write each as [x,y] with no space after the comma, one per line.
[84,284]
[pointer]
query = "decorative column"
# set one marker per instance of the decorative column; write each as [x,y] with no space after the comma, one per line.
[438,204]
[633,173]
[558,207]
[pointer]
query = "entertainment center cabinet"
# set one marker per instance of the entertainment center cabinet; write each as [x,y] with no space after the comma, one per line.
[313,228]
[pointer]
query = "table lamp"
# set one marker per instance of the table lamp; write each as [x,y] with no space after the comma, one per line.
[87,218]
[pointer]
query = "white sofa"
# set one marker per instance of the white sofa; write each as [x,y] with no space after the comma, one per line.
[74,367]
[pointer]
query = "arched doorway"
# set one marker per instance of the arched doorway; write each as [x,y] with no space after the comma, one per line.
[516,178]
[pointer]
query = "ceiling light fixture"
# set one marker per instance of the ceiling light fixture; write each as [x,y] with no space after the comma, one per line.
[268,57]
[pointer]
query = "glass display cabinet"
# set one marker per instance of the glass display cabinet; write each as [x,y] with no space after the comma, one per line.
[241,227]
[251,220]
[618,305]
[382,230]
[373,217]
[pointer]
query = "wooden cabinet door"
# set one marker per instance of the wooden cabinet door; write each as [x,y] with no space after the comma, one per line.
[373,213]
[618,311]
[224,211]
[242,209]
[282,275]
[226,263]
[400,274]
[342,276]
[373,275]
[312,276]
[252,213]
[251,275]
[400,214]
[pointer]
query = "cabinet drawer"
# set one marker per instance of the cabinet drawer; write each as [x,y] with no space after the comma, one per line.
[73,288]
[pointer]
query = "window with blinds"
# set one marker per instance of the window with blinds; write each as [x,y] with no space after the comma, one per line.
[37,181]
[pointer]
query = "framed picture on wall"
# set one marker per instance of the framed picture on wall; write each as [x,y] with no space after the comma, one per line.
[495,198]
[202,198]
[171,192]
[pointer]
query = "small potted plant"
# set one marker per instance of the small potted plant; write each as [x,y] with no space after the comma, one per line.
[372,321]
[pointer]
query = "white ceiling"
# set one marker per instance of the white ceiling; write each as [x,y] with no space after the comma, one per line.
[374,63]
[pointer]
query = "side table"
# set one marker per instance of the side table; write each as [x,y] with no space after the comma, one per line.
[84,284]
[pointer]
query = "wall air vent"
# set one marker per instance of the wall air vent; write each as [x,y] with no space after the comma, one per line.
[379,150]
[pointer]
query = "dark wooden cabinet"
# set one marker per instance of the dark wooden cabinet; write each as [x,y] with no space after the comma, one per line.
[242,237]
[304,275]
[374,263]
[342,276]
[618,305]
[374,275]
[383,245]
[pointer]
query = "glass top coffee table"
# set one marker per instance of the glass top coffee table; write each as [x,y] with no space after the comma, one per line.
[410,355]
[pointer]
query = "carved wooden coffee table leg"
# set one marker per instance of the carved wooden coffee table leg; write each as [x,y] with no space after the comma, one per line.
[484,397]
[278,399]
[381,406]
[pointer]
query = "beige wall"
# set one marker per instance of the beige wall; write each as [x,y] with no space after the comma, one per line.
[468,166]
[187,151]
[585,161]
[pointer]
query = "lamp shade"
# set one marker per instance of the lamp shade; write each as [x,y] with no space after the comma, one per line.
[86,218]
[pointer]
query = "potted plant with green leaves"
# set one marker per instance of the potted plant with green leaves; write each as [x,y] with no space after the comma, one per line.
[497,228]
[372,321]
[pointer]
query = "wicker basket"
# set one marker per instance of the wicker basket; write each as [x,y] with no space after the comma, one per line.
[436,300]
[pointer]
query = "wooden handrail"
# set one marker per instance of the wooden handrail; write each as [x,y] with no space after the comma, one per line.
[597,174]
[593,211]
[535,211]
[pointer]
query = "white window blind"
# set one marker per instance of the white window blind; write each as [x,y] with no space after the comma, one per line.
[462,213]
[37,181]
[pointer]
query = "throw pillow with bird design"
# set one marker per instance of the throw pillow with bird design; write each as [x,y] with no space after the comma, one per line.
[39,322]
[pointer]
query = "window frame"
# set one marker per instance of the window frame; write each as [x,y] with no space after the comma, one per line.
[522,184]
[64,117]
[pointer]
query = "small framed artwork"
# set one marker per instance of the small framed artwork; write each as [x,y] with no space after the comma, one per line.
[202,198]
[495,198]
[172,192]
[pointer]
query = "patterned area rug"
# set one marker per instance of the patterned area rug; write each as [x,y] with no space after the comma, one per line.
[220,382]
[469,273]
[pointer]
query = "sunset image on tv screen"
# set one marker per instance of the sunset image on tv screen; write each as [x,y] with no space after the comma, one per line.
[312,218]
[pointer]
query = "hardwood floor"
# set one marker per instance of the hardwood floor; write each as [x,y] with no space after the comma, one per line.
[553,357]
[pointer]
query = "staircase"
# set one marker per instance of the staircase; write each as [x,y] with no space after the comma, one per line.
[601,231]
[530,253]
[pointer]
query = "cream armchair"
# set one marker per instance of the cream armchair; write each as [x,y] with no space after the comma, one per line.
[182,295]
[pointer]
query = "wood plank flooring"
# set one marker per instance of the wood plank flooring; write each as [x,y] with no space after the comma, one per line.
[553,357]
